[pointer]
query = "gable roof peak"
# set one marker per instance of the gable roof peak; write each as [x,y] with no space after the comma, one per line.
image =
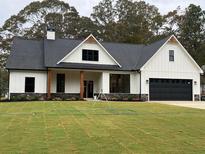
[90,41]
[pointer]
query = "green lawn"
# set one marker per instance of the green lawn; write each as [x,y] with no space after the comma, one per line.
[80,127]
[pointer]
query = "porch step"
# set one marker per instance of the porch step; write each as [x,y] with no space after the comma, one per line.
[89,99]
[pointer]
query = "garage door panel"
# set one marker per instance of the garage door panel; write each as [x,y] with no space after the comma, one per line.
[170,89]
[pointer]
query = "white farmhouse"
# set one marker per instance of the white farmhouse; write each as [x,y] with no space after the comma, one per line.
[68,69]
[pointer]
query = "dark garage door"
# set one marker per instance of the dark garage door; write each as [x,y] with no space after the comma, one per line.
[170,89]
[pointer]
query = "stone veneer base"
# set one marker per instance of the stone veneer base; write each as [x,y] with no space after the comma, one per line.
[124,97]
[74,97]
[196,97]
[28,96]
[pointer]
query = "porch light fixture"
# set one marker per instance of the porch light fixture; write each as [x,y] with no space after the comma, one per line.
[147,81]
[195,83]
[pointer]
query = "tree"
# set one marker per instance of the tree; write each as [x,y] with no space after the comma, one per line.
[104,16]
[127,20]
[192,30]
[3,82]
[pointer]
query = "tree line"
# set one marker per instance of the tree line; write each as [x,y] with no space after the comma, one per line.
[124,21]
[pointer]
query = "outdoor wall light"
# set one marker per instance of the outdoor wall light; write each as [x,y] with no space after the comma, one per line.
[147,81]
[195,83]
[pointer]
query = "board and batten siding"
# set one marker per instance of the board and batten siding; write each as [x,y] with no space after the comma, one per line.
[17,81]
[72,80]
[76,56]
[159,66]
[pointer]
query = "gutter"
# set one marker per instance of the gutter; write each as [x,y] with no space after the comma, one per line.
[8,84]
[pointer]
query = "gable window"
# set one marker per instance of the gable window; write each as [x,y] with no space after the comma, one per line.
[90,55]
[119,83]
[29,84]
[60,87]
[171,55]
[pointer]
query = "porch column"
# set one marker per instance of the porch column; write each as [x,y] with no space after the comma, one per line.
[81,84]
[105,83]
[49,84]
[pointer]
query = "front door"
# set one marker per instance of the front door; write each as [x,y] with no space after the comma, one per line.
[88,89]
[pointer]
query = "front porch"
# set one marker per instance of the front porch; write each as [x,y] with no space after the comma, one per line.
[73,84]
[63,84]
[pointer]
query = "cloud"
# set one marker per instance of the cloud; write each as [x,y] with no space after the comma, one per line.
[169,5]
[84,7]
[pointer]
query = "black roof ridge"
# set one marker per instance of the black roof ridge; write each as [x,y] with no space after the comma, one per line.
[70,39]
[26,39]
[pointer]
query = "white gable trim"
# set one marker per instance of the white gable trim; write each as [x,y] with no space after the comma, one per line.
[84,42]
[201,71]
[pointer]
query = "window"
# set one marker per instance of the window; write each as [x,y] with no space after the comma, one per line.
[29,84]
[60,83]
[90,55]
[171,55]
[119,83]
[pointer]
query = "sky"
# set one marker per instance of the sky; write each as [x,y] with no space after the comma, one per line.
[84,7]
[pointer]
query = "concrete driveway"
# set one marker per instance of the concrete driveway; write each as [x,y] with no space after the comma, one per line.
[191,104]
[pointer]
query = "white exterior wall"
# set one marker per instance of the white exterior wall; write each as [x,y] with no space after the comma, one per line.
[72,80]
[159,66]
[17,81]
[76,56]
[105,82]
[135,83]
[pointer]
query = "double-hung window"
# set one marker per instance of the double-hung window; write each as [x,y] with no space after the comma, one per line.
[171,55]
[29,84]
[60,87]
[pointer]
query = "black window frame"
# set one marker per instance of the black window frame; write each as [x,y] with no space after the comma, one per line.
[171,55]
[90,55]
[29,85]
[60,83]
[120,83]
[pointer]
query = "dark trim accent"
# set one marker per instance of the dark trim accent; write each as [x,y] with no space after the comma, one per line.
[46,69]
[9,83]
[89,69]
[25,69]
[140,85]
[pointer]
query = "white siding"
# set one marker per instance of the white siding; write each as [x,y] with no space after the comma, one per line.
[105,80]
[135,83]
[72,81]
[159,66]
[76,56]
[17,81]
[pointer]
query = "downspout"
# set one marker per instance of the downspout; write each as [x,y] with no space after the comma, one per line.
[8,84]
[140,85]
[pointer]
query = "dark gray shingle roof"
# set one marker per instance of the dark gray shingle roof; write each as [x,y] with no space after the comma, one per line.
[31,54]
[26,54]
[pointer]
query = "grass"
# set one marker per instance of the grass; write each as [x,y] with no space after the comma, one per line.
[79,127]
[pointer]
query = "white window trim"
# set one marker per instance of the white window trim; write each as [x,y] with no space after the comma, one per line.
[84,42]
